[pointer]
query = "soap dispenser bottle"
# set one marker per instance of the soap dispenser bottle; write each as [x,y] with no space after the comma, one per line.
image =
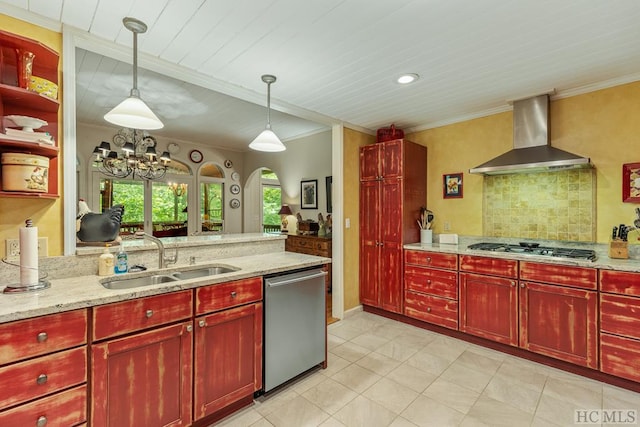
[105,263]
[122,262]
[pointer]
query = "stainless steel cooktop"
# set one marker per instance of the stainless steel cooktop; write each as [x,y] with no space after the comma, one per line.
[528,248]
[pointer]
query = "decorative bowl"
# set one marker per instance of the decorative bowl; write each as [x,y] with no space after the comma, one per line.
[28,124]
[44,87]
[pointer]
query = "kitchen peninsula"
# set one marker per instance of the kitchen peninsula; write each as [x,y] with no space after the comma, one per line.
[77,335]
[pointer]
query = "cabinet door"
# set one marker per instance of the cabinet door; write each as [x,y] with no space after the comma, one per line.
[143,379]
[391,159]
[559,322]
[228,358]
[489,307]
[370,162]
[390,277]
[369,242]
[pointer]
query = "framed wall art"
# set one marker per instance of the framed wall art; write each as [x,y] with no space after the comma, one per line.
[452,186]
[329,183]
[631,183]
[309,194]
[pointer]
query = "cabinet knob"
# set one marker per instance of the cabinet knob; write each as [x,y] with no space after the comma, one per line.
[189,328]
[428,309]
[428,281]
[149,313]
[522,285]
[429,259]
[42,379]
[513,284]
[42,337]
[233,294]
[202,323]
[42,421]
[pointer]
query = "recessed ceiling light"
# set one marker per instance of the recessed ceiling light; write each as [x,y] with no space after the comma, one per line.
[405,79]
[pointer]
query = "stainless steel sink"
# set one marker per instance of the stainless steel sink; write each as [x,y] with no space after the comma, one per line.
[135,282]
[203,272]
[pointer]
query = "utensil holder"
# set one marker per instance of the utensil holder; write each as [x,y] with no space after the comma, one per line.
[426,237]
[619,249]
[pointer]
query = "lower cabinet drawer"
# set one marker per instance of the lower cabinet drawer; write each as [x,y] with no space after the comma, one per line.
[439,311]
[620,315]
[620,356]
[227,295]
[130,316]
[68,408]
[41,376]
[442,283]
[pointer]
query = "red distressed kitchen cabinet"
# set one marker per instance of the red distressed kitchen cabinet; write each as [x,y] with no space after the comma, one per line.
[43,370]
[145,378]
[392,190]
[431,287]
[489,298]
[228,345]
[559,312]
[620,324]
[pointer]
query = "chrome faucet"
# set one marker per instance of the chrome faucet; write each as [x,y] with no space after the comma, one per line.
[163,260]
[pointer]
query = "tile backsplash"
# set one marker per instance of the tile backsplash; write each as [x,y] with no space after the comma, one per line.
[548,205]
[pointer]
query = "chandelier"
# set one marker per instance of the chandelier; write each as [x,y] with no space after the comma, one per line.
[138,156]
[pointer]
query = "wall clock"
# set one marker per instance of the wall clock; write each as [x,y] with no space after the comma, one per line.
[196,156]
[235,189]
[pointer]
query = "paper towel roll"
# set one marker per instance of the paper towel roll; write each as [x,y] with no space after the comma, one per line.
[28,255]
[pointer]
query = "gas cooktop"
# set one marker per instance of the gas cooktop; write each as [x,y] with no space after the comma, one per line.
[527,248]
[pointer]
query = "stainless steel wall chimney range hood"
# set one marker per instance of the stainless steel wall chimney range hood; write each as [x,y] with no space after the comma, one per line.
[532,151]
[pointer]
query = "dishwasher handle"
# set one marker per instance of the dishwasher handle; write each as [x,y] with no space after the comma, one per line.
[273,284]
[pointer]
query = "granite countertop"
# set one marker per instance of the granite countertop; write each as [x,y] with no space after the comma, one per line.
[602,261]
[86,291]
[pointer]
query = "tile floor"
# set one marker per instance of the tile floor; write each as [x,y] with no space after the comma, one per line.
[385,373]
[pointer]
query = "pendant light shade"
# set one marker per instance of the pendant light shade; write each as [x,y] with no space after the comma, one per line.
[133,113]
[267,140]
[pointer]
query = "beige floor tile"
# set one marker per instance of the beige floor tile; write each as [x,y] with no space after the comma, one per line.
[540,422]
[428,362]
[391,395]
[411,377]
[495,413]
[335,363]
[619,398]
[472,379]
[427,412]
[474,360]
[262,422]
[312,379]
[350,351]
[414,339]
[525,374]
[346,331]
[470,421]
[332,422]
[273,401]
[330,395]
[397,351]
[378,363]
[244,417]
[370,341]
[362,412]
[446,348]
[512,392]
[584,393]
[334,341]
[487,352]
[452,395]
[389,330]
[556,411]
[356,378]
[297,412]
[402,422]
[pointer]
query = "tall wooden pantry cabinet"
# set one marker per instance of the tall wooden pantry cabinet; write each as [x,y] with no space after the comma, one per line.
[393,187]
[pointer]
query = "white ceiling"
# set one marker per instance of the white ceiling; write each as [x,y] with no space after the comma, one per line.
[336,60]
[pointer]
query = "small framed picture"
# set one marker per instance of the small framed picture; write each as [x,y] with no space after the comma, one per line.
[452,186]
[309,194]
[631,183]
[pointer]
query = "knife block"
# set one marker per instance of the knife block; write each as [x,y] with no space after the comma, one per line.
[619,249]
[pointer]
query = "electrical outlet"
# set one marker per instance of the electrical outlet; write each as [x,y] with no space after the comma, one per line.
[12,247]
[347,223]
[447,226]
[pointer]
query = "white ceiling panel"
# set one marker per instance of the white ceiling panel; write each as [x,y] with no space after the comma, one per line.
[336,60]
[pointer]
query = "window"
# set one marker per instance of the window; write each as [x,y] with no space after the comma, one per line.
[211,198]
[271,201]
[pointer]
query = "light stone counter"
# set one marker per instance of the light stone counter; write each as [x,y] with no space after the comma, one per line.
[75,284]
[602,261]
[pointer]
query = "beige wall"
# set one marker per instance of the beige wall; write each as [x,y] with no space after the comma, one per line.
[46,214]
[602,125]
[352,141]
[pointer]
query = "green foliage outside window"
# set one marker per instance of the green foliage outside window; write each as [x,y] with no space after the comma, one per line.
[271,203]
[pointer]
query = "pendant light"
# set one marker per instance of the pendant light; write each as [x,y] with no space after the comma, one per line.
[133,113]
[268,140]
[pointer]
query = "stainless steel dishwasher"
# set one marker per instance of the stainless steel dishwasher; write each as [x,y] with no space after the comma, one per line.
[294,325]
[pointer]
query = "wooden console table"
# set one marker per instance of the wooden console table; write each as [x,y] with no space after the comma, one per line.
[314,245]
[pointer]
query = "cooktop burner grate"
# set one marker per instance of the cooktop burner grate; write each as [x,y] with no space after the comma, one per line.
[528,248]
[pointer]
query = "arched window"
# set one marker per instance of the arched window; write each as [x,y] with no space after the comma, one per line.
[271,201]
[211,198]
